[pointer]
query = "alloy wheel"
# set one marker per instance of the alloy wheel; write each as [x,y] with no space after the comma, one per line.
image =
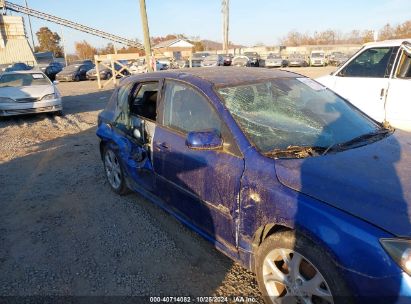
[291,278]
[113,169]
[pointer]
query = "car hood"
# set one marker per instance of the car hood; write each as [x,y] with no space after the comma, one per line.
[25,92]
[372,182]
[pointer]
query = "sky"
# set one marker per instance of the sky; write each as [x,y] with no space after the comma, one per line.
[251,21]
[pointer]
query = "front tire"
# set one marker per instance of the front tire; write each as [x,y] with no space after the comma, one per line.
[114,171]
[59,113]
[290,268]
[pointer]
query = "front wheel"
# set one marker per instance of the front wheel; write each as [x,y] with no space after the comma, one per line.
[114,171]
[290,268]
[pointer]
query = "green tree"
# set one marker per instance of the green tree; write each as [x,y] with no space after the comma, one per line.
[49,42]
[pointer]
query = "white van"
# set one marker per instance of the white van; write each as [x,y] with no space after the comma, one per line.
[377,80]
[318,58]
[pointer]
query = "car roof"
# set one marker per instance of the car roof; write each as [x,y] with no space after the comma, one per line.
[393,42]
[222,76]
[23,72]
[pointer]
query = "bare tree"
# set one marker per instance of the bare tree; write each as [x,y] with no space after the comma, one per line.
[84,50]
[403,30]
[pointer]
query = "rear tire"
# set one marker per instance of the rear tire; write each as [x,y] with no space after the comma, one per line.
[289,264]
[114,171]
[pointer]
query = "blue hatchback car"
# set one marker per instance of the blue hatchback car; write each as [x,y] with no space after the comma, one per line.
[280,173]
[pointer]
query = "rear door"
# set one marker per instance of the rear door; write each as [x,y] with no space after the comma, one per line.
[201,185]
[398,104]
[143,121]
[364,80]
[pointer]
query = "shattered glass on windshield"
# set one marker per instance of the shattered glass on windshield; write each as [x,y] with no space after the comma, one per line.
[285,113]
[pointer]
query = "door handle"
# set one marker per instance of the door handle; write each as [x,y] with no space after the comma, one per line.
[382,93]
[162,146]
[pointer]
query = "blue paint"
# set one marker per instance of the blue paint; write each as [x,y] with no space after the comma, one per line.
[345,201]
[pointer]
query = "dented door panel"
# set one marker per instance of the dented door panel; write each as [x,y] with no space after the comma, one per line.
[203,185]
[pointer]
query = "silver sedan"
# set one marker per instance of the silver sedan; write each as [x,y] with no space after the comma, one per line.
[26,92]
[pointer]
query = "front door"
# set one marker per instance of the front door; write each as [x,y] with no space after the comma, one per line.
[398,103]
[201,185]
[364,80]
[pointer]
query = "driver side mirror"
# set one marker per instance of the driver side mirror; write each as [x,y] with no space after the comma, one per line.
[204,140]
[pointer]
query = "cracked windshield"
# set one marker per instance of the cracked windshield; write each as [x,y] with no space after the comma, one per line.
[283,113]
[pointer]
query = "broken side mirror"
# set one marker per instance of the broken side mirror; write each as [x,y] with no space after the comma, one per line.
[204,140]
[139,132]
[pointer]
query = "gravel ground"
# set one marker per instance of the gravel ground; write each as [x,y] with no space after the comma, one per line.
[63,232]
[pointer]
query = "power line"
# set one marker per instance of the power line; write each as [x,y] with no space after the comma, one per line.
[86,29]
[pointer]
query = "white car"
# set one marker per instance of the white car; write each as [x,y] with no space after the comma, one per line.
[26,92]
[377,80]
[139,67]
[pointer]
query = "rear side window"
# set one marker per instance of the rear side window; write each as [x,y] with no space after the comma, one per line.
[144,101]
[373,62]
[122,109]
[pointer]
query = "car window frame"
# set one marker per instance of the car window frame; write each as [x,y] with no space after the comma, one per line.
[236,151]
[136,88]
[398,64]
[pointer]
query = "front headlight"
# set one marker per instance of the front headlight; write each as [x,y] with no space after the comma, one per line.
[6,100]
[400,252]
[49,97]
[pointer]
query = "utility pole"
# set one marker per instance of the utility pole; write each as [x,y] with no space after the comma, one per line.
[147,45]
[64,46]
[31,29]
[225,12]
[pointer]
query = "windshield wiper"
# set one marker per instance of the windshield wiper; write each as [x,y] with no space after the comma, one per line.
[296,152]
[360,140]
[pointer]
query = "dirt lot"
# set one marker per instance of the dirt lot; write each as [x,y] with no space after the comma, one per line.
[63,232]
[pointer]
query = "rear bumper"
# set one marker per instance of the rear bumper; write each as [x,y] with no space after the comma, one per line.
[93,77]
[10,109]
[295,64]
[64,78]
[273,64]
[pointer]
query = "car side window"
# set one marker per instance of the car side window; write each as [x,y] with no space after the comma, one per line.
[372,62]
[144,101]
[122,109]
[187,110]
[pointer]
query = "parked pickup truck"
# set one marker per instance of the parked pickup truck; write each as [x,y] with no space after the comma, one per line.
[377,80]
